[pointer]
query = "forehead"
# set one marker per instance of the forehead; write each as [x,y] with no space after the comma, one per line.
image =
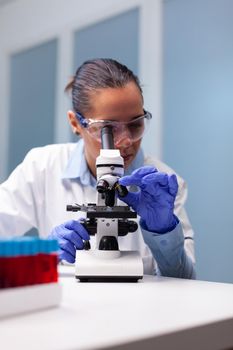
[122,103]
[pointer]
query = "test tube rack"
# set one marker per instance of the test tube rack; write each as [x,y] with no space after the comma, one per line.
[28,275]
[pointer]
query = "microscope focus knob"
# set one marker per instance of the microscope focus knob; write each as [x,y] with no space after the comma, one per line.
[108,243]
[133,226]
[122,190]
[86,245]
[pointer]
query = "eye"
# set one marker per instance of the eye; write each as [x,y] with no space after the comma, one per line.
[95,129]
[137,125]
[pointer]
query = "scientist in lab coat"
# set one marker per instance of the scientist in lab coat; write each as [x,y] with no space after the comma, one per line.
[36,193]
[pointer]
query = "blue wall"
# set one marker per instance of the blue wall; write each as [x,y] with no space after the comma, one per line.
[198,123]
[116,37]
[32,100]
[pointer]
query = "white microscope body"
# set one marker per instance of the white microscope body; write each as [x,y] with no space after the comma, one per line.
[105,262]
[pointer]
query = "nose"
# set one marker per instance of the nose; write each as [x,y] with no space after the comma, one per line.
[123,138]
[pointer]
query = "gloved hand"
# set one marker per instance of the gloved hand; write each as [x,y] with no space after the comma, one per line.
[70,236]
[154,202]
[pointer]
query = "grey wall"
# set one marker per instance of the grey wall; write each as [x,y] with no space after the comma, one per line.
[198,122]
[32,100]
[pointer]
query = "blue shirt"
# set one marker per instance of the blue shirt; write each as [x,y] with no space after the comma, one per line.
[168,248]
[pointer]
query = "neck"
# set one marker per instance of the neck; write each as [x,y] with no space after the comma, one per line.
[91,165]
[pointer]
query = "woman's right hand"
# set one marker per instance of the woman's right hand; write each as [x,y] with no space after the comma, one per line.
[70,236]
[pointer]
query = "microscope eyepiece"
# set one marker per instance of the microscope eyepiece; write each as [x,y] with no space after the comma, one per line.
[107,137]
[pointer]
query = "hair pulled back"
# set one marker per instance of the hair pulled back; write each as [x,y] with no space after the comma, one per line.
[97,74]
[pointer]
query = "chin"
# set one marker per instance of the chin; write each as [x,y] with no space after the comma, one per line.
[128,161]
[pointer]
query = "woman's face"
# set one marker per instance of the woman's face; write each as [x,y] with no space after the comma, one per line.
[115,104]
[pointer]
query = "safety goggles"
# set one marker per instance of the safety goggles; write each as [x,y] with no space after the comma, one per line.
[134,128]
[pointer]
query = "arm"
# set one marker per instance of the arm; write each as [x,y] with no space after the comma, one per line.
[17,200]
[169,253]
[161,229]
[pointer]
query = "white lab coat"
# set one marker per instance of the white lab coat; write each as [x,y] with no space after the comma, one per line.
[35,195]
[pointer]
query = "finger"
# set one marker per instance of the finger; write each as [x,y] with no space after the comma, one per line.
[67,245]
[61,232]
[75,239]
[136,177]
[131,199]
[64,255]
[145,170]
[173,185]
[151,181]
[75,225]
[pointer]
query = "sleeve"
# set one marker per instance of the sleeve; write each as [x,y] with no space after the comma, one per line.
[174,251]
[169,253]
[18,195]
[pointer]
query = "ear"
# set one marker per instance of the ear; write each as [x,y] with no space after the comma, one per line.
[74,123]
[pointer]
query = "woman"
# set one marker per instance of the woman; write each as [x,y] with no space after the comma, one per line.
[36,193]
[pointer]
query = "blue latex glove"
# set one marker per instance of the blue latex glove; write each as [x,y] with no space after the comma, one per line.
[154,201]
[70,236]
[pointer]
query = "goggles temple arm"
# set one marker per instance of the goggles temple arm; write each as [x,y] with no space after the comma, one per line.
[82,120]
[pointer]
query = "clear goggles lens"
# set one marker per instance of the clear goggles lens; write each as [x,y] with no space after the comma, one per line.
[133,129]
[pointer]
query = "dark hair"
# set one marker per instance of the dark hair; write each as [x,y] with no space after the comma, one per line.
[97,74]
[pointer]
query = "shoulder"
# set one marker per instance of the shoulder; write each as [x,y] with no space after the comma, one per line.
[43,157]
[51,151]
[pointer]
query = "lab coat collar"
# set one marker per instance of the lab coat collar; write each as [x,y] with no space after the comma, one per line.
[77,166]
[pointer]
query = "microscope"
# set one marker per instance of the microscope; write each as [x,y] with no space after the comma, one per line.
[107,221]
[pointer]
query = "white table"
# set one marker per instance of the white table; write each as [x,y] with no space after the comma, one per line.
[156,313]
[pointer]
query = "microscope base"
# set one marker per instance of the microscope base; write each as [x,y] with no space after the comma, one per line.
[108,266]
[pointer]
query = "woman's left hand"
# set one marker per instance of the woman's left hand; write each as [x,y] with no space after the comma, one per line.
[154,201]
